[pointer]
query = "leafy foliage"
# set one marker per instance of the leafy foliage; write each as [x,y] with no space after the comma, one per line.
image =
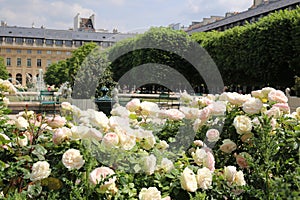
[3,70]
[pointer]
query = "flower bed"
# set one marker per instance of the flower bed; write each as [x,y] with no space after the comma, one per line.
[227,146]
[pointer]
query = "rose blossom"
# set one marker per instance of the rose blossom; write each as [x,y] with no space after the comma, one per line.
[98,119]
[217,108]
[152,193]
[197,124]
[174,114]
[22,123]
[66,106]
[146,138]
[273,112]
[40,170]
[229,173]
[205,114]
[252,106]
[120,111]
[257,94]
[204,178]
[22,142]
[133,105]
[99,174]
[188,180]
[284,107]
[5,101]
[110,140]
[162,145]
[228,146]
[61,134]
[149,164]
[242,124]
[56,122]
[277,96]
[190,113]
[213,135]
[166,165]
[199,143]
[241,159]
[204,157]
[149,108]
[239,178]
[72,159]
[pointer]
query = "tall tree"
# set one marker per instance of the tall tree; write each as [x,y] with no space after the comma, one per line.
[3,71]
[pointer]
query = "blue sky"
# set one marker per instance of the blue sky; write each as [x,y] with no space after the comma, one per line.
[124,15]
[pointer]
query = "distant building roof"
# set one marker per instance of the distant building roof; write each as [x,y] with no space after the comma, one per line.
[14,31]
[252,12]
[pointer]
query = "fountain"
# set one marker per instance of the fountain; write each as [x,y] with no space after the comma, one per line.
[40,84]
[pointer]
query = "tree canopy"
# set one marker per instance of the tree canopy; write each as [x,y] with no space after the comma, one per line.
[3,71]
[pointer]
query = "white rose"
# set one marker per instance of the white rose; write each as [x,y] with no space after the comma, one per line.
[188,180]
[197,124]
[116,121]
[98,119]
[127,140]
[162,145]
[56,122]
[22,142]
[190,113]
[120,111]
[204,178]
[72,159]
[229,173]
[277,96]
[149,108]
[257,94]
[22,123]
[174,114]
[218,108]
[228,146]
[166,165]
[61,134]
[40,170]
[239,179]
[152,193]
[266,90]
[110,140]
[6,101]
[273,112]
[146,139]
[213,135]
[185,98]
[66,106]
[242,124]
[79,132]
[284,107]
[252,106]
[149,164]
[101,173]
[204,157]
[133,105]
[93,133]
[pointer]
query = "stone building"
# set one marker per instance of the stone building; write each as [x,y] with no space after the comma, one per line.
[26,50]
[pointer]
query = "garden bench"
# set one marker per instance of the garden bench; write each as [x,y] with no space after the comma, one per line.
[48,101]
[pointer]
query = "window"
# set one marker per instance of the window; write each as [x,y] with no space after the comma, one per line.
[39,42]
[68,53]
[29,41]
[68,43]
[28,51]
[49,52]
[58,42]
[39,51]
[28,62]
[19,40]
[78,43]
[8,50]
[48,63]
[39,62]
[9,40]
[58,52]
[19,51]
[49,42]
[8,61]
[19,62]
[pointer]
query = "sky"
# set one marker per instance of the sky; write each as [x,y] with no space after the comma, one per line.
[123,15]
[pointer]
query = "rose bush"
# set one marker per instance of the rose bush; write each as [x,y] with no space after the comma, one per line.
[228,146]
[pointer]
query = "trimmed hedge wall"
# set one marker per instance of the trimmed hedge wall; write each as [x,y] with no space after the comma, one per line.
[263,53]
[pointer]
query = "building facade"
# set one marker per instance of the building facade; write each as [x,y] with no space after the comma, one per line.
[27,50]
[259,9]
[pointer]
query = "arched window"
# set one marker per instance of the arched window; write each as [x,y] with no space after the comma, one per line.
[19,78]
